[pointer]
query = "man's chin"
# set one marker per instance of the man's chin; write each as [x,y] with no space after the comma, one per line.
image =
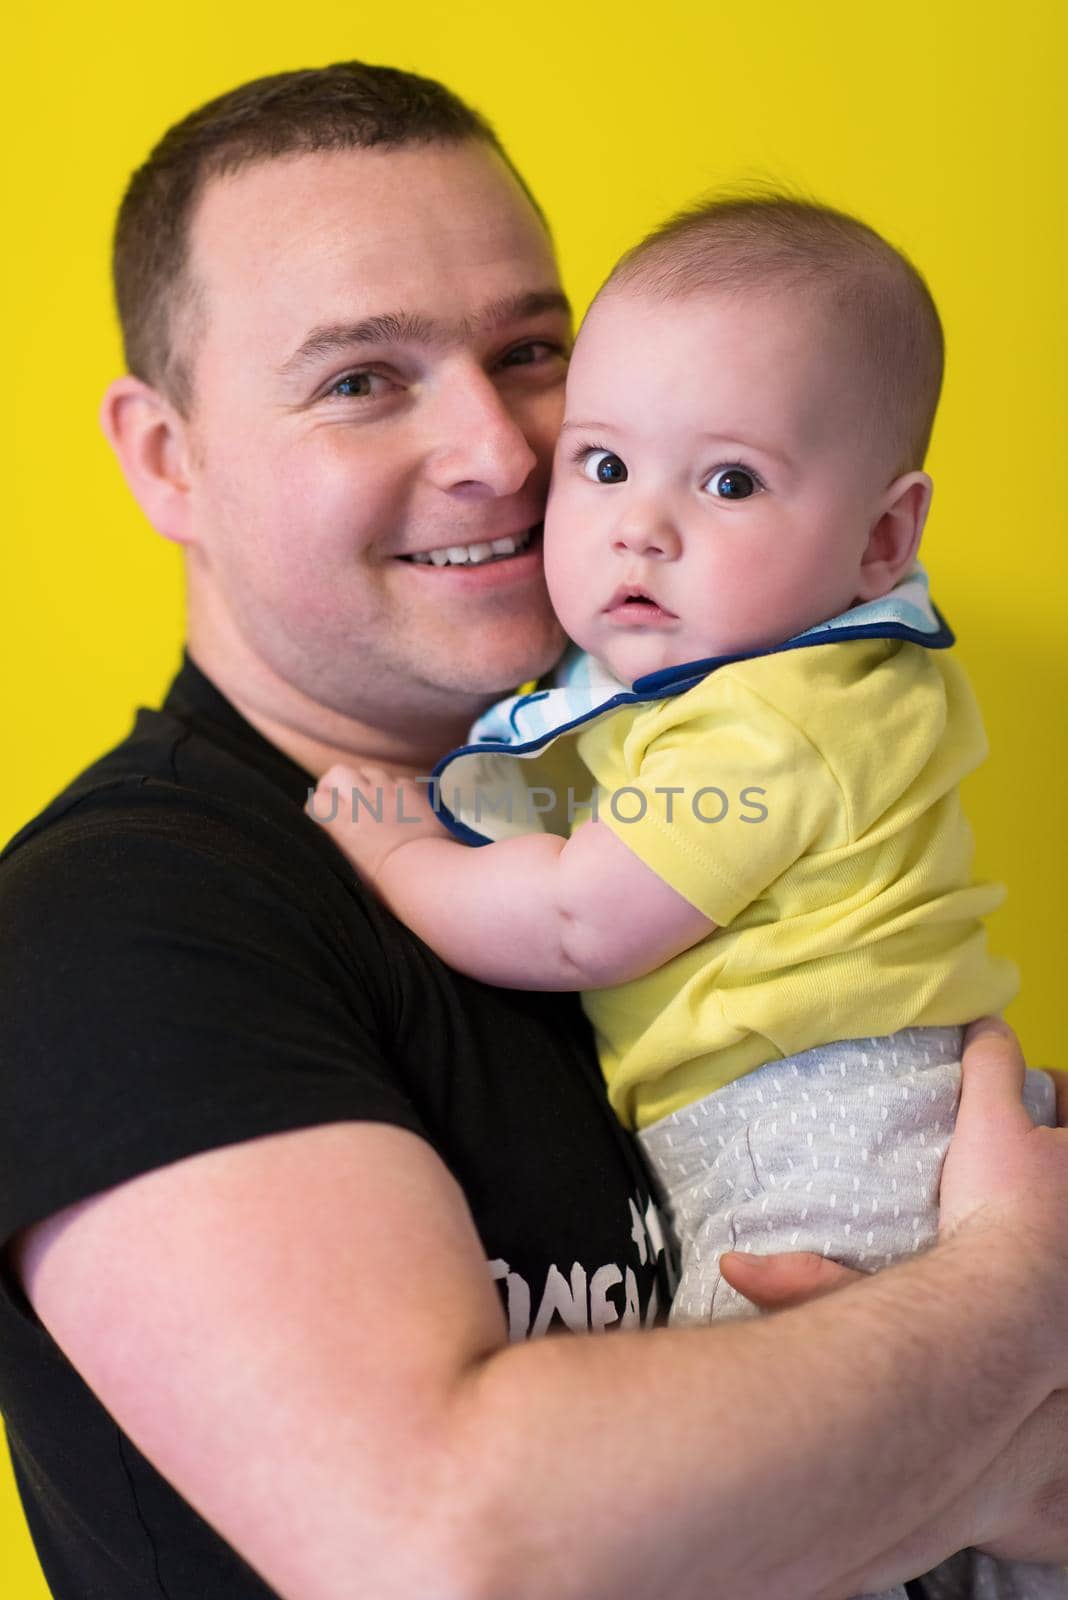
[497,674]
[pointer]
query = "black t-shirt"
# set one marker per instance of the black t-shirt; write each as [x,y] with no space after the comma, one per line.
[186,961]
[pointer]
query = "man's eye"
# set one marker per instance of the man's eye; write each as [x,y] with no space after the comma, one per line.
[531,353]
[357,386]
[603,466]
[733,483]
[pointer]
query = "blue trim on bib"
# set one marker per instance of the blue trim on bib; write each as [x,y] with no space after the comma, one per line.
[583,689]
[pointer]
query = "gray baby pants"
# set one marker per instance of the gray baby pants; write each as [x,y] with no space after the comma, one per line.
[837,1150]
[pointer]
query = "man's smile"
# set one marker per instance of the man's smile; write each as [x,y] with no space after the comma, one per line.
[485,552]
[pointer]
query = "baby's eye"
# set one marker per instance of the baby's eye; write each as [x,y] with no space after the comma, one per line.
[733,483]
[603,466]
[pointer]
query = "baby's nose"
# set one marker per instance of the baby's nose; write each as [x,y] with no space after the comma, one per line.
[646,533]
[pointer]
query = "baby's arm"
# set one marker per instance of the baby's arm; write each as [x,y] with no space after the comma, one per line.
[535,912]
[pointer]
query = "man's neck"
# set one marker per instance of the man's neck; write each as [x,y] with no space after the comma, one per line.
[321,740]
[408,741]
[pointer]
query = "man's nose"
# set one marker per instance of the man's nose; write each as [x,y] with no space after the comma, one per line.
[646,530]
[481,452]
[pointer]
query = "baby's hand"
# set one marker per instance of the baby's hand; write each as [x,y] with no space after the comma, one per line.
[370,812]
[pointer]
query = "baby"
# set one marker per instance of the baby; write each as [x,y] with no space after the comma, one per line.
[761,876]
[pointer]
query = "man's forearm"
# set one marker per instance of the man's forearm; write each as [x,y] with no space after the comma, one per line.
[1018,1511]
[359,1409]
[782,1457]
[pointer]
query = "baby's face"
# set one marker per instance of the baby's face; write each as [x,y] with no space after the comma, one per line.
[712,491]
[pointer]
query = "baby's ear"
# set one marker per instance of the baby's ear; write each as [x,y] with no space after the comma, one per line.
[895,535]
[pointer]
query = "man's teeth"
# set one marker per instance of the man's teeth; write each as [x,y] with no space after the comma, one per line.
[471,555]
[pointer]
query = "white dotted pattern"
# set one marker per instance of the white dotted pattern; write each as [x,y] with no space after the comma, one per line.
[837,1150]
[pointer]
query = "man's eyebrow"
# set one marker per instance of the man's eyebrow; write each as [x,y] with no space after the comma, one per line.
[406,327]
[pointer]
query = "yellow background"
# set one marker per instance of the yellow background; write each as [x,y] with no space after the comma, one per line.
[936,120]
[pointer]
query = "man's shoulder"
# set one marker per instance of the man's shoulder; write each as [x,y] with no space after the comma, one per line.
[179,851]
[175,792]
[146,753]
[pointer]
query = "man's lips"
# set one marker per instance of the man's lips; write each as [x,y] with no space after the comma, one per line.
[482,549]
[633,606]
[500,572]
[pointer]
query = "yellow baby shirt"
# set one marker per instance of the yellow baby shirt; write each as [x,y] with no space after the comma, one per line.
[807,802]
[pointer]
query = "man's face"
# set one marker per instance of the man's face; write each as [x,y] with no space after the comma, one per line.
[379,379]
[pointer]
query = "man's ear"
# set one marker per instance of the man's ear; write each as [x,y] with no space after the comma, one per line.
[895,535]
[151,441]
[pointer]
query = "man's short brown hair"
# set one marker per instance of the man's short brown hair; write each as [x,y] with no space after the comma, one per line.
[347,106]
[772,242]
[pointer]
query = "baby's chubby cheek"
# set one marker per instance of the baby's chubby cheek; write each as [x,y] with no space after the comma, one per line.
[570,569]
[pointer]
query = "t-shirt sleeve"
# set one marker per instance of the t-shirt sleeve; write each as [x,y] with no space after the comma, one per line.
[162,994]
[721,794]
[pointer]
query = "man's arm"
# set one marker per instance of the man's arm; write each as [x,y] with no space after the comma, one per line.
[1019,1508]
[1060,1083]
[358,1409]
[534,912]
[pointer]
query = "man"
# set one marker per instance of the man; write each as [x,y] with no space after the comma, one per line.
[262,1145]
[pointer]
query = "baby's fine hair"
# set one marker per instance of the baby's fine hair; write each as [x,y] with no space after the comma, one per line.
[761,242]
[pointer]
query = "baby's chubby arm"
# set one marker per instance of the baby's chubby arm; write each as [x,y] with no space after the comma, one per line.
[536,912]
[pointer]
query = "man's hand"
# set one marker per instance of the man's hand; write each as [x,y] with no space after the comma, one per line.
[996,1152]
[1019,1509]
[1027,1490]
[370,812]
[773,1283]
[1060,1084]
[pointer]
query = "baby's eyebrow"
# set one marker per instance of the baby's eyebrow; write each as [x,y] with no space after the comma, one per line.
[720,439]
[738,443]
[407,327]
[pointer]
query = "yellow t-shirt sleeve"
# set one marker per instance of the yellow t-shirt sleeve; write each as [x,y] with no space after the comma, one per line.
[718,792]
